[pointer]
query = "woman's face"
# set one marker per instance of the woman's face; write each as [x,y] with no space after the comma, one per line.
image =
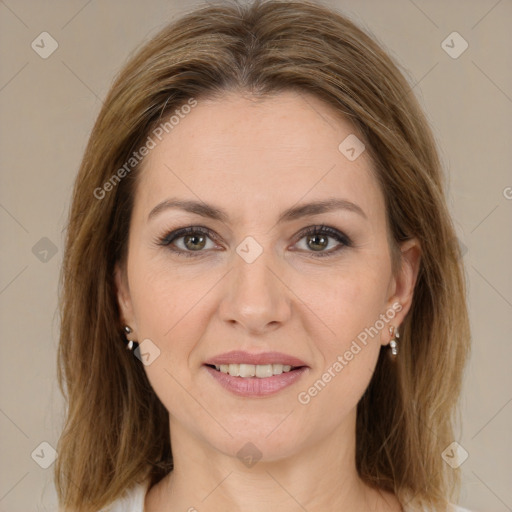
[253,281]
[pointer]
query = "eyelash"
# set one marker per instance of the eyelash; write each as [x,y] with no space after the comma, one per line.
[167,240]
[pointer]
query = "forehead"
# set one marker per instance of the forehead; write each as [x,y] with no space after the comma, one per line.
[250,155]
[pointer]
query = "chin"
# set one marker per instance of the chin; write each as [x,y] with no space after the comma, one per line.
[259,438]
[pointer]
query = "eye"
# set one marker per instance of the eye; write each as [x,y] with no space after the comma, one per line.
[317,239]
[193,240]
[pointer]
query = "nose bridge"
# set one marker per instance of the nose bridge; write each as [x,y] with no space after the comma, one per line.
[255,296]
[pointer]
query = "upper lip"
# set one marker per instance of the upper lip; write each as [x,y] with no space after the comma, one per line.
[242,357]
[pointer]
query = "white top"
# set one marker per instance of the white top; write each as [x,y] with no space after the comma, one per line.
[133,501]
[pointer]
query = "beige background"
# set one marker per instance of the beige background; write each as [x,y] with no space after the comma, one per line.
[48,107]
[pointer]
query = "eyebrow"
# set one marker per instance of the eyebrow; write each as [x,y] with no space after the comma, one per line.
[293,213]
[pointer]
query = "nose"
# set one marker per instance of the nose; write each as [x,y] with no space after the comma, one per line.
[255,296]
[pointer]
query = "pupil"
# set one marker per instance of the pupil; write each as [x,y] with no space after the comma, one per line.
[193,237]
[322,244]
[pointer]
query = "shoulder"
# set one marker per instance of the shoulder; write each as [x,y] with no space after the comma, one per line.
[451,508]
[131,501]
[457,508]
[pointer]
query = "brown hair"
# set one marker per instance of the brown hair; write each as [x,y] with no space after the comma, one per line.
[116,431]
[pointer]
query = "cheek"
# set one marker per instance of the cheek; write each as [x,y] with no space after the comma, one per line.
[171,310]
[348,302]
[168,311]
[334,393]
[164,295]
[351,307]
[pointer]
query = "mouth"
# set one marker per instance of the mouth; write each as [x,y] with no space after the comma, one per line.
[258,371]
[254,375]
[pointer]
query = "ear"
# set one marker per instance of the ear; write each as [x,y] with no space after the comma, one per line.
[403,283]
[123,297]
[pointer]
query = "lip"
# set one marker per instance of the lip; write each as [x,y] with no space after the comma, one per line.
[253,387]
[242,357]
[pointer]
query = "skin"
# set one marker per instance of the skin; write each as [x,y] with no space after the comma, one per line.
[255,158]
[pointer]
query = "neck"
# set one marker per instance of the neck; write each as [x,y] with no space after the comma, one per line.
[321,476]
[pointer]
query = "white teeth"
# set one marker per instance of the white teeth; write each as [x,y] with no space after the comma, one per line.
[277,369]
[264,370]
[246,370]
[260,371]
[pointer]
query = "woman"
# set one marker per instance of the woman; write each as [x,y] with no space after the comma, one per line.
[260,220]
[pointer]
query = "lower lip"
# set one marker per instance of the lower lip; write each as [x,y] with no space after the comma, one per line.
[254,386]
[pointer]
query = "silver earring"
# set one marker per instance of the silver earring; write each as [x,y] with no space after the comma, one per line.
[130,344]
[394,342]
